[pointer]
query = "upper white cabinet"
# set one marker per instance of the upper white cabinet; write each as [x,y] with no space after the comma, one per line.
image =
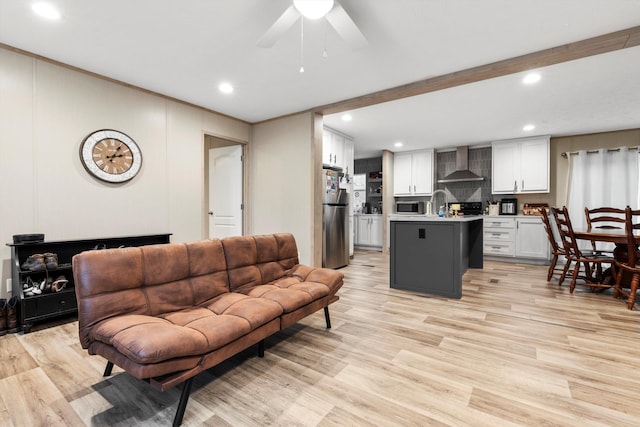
[348,157]
[520,166]
[333,149]
[413,173]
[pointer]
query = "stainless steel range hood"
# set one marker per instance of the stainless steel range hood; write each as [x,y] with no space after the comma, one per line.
[462,172]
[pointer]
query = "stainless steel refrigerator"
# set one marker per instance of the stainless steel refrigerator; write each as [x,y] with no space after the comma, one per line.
[335,225]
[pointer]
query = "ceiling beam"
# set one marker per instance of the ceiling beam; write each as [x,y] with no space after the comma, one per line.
[568,52]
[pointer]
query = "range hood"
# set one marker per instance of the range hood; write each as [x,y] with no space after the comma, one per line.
[462,172]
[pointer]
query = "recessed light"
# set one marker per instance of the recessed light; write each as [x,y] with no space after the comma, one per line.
[346,117]
[398,144]
[45,10]
[528,128]
[225,88]
[531,78]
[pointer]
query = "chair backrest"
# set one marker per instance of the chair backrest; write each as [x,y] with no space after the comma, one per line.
[632,215]
[605,217]
[549,229]
[567,237]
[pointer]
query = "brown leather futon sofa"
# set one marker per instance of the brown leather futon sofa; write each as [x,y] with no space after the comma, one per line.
[164,313]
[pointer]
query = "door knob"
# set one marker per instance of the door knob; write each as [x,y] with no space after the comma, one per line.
[210,212]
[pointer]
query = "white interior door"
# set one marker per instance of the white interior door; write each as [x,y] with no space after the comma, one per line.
[225,191]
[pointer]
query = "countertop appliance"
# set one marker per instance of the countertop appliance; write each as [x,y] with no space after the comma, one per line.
[471,208]
[335,221]
[409,207]
[509,206]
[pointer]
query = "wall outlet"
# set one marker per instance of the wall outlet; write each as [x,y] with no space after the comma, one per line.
[9,285]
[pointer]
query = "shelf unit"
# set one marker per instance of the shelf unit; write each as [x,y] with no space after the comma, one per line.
[49,305]
[374,183]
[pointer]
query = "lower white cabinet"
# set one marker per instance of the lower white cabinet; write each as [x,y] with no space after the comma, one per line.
[369,230]
[531,238]
[521,237]
[499,236]
[352,232]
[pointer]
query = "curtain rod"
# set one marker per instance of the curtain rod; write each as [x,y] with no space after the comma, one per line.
[566,153]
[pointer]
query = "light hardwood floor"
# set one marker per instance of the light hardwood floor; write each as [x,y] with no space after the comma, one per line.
[515,350]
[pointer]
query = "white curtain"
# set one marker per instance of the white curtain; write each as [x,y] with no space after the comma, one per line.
[606,178]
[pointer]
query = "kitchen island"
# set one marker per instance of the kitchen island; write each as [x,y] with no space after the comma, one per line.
[430,254]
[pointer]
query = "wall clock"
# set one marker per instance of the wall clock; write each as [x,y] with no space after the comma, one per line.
[111,156]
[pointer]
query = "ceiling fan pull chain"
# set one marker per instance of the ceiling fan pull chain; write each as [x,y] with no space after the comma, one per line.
[324,52]
[302,44]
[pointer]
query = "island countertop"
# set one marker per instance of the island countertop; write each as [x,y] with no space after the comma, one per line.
[434,218]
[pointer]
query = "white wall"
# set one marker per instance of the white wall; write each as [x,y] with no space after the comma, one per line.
[281,180]
[45,113]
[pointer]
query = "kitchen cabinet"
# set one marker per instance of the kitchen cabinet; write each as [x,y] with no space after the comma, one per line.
[351,236]
[369,230]
[432,255]
[499,236]
[519,238]
[337,151]
[520,166]
[413,173]
[348,157]
[531,238]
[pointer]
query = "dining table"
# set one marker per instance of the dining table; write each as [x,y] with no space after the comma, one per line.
[618,236]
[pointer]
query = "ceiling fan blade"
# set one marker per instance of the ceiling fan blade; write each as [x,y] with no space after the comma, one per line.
[346,28]
[277,30]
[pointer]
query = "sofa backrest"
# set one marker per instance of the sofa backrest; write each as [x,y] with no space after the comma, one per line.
[149,280]
[158,279]
[256,260]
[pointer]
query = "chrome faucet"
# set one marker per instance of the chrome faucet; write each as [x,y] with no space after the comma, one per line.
[446,197]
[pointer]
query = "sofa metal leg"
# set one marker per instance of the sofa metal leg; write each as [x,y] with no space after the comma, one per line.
[182,405]
[107,369]
[327,318]
[261,348]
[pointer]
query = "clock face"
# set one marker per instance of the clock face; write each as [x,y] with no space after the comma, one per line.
[111,156]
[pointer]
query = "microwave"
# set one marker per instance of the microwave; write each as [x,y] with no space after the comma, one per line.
[508,206]
[408,207]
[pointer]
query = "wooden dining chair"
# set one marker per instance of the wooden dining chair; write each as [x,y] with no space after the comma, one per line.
[604,218]
[557,250]
[629,266]
[589,263]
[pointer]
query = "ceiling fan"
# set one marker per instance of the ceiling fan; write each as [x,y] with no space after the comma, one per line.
[315,9]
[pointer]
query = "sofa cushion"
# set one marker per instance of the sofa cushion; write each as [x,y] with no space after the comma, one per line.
[107,283]
[208,270]
[187,332]
[289,292]
[178,276]
[277,254]
[241,256]
[257,260]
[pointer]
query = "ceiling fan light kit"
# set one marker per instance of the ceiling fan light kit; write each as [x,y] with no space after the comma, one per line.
[313,9]
[334,13]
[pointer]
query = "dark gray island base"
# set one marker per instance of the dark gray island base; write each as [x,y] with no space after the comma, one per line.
[430,254]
